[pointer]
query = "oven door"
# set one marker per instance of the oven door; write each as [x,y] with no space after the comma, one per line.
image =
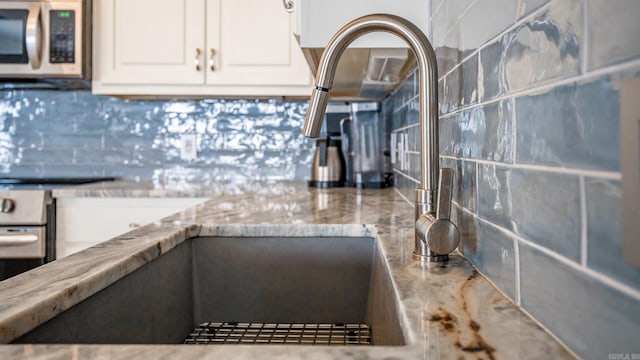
[21,46]
[21,249]
[22,242]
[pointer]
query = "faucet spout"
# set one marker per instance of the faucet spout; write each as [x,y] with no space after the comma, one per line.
[427,192]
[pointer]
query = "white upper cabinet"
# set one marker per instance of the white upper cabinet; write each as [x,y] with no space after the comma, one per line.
[196,47]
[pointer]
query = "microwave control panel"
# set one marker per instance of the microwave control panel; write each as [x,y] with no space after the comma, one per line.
[62,42]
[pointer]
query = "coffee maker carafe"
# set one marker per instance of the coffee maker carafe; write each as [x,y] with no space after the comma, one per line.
[328,168]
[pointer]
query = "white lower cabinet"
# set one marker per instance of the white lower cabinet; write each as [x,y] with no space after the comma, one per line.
[84,222]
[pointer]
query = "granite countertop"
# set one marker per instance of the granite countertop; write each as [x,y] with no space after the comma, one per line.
[446,312]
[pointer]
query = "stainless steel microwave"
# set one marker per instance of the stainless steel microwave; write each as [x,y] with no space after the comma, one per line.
[45,39]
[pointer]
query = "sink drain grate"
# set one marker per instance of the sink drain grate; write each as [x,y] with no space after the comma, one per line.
[270,333]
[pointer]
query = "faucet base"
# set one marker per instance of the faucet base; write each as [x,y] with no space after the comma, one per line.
[430,258]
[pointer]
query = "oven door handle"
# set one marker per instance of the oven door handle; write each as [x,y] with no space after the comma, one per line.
[18,239]
[33,37]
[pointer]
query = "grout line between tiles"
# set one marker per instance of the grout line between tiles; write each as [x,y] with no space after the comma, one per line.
[406,127]
[402,196]
[406,175]
[605,280]
[406,103]
[498,36]
[545,86]
[608,175]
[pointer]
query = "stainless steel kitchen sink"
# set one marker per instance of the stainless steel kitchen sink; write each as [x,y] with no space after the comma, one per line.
[237,280]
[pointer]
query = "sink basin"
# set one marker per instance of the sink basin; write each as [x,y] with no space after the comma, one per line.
[268,280]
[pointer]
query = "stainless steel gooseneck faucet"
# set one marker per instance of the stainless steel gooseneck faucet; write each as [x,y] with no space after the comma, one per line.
[436,235]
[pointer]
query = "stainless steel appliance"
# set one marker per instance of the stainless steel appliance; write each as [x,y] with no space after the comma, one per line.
[328,164]
[45,39]
[365,147]
[27,222]
[329,167]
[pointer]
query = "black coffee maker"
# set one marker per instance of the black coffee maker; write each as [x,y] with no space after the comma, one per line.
[329,168]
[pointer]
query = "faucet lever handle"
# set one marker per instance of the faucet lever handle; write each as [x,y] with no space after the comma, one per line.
[445,192]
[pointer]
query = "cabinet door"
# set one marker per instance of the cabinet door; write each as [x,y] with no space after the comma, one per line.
[84,222]
[253,44]
[149,41]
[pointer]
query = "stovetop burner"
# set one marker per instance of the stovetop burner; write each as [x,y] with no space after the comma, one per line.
[47,183]
[53,180]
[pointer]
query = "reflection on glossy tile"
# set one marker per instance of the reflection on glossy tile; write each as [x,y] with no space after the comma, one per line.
[604,227]
[464,182]
[593,319]
[545,48]
[613,31]
[494,257]
[480,133]
[460,86]
[562,126]
[530,203]
[494,195]
[52,134]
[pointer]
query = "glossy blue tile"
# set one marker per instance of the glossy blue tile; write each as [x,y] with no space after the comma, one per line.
[406,187]
[53,131]
[491,82]
[469,91]
[464,182]
[493,254]
[613,32]
[453,88]
[544,48]
[413,164]
[590,317]
[479,133]
[530,204]
[467,224]
[413,134]
[498,136]
[604,231]
[447,56]
[562,126]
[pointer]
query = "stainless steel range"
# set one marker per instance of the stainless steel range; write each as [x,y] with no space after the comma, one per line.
[28,221]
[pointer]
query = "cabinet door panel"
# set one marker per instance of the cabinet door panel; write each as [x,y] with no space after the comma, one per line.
[150,41]
[254,44]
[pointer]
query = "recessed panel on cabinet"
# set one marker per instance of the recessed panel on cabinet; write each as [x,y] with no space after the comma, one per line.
[149,41]
[253,44]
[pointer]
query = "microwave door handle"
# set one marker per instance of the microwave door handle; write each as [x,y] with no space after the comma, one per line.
[34,37]
[17,239]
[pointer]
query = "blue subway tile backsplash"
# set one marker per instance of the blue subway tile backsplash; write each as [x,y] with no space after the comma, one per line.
[574,125]
[592,318]
[604,226]
[529,121]
[74,133]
